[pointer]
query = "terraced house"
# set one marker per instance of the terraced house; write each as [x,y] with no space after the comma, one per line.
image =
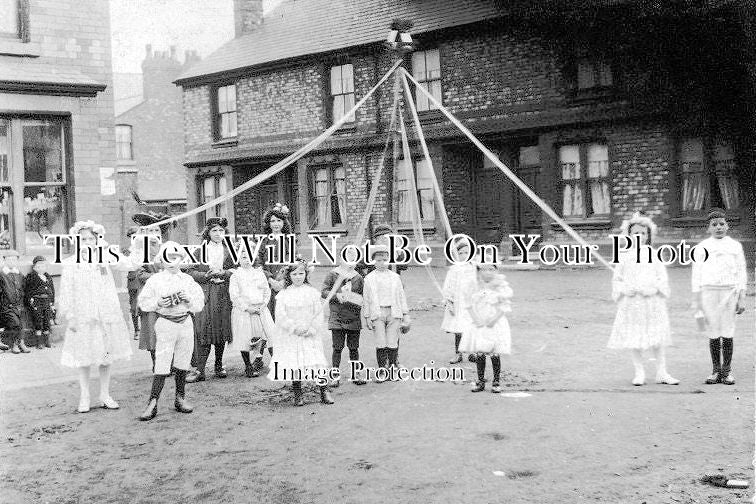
[603,109]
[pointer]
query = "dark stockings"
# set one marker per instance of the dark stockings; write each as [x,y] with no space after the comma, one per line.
[245,358]
[457,339]
[180,376]
[727,348]
[715,345]
[157,386]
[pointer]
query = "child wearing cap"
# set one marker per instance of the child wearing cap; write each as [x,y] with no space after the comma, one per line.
[385,308]
[39,294]
[12,310]
[719,286]
[173,296]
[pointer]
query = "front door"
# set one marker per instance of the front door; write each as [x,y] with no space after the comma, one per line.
[489,202]
[528,213]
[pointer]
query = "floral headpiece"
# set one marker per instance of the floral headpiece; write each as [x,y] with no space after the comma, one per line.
[641,219]
[97,229]
[310,267]
[278,207]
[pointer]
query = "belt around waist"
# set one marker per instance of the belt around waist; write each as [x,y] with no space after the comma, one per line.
[176,319]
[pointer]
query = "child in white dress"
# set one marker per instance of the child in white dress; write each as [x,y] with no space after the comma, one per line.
[719,286]
[96,333]
[641,290]
[460,279]
[251,321]
[488,333]
[299,329]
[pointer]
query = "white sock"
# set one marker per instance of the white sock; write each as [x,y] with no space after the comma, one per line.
[638,362]
[104,382]
[84,382]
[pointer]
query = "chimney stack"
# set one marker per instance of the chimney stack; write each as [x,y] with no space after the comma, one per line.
[248,15]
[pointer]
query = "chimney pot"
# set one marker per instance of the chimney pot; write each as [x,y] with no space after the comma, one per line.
[148,50]
[248,15]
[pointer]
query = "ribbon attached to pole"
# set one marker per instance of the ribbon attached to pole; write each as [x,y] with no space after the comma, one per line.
[496,161]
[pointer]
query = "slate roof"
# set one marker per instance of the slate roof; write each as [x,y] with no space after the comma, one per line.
[302,27]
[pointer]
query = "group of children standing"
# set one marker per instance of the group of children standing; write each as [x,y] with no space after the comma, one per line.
[477,299]
[26,302]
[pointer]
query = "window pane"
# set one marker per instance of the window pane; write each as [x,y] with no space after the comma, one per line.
[231,98]
[232,124]
[338,107]
[694,191]
[44,213]
[208,189]
[691,150]
[336,80]
[569,158]
[600,198]
[347,78]
[222,104]
[43,151]
[598,161]
[4,149]
[6,220]
[435,90]
[605,74]
[422,100]
[348,105]
[586,73]
[424,175]
[427,210]
[530,156]
[418,65]
[572,201]
[9,16]
[433,64]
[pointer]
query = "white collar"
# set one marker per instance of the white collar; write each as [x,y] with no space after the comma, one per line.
[7,270]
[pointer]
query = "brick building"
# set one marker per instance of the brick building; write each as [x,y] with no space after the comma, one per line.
[657,122]
[57,143]
[150,140]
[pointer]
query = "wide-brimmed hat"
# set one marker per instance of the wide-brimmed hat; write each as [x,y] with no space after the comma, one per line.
[37,259]
[216,221]
[150,218]
[382,229]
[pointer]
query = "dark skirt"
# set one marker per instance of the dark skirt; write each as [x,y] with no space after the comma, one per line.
[212,325]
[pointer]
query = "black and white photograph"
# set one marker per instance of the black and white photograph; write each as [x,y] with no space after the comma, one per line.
[370,251]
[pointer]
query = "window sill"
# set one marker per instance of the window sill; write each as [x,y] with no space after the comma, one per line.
[347,128]
[593,94]
[589,223]
[226,142]
[430,116]
[14,47]
[407,228]
[327,231]
[699,221]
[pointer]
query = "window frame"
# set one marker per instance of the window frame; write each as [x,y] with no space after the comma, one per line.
[440,80]
[220,187]
[584,181]
[425,222]
[217,115]
[130,142]
[709,170]
[16,185]
[312,203]
[331,96]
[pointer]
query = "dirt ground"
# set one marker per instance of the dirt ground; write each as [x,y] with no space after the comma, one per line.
[585,434]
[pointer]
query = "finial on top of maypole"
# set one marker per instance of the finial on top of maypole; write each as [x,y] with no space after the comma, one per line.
[399,38]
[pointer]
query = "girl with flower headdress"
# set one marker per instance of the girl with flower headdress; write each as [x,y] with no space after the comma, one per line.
[96,332]
[276,224]
[299,327]
[641,290]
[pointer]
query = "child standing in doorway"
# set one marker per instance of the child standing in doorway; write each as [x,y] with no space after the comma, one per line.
[719,286]
[641,290]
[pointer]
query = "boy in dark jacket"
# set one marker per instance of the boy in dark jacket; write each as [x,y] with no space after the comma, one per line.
[12,311]
[40,298]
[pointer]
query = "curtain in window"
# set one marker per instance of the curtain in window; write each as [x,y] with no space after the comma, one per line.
[404,213]
[724,169]
[322,209]
[572,195]
[598,175]
[425,190]
[694,189]
[340,194]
